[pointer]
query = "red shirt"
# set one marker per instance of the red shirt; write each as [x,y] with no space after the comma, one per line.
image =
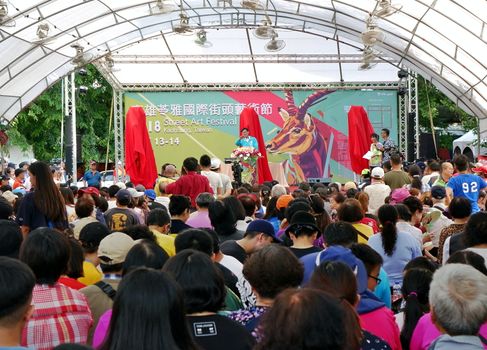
[71,283]
[191,185]
[370,222]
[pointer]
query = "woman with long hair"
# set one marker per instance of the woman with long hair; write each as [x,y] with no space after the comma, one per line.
[395,248]
[415,289]
[223,219]
[43,207]
[148,313]
[69,200]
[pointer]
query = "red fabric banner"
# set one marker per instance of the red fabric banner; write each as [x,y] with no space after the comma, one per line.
[139,156]
[250,120]
[359,131]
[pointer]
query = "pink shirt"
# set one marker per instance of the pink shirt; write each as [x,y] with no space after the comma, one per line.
[382,323]
[426,332]
[199,219]
[101,330]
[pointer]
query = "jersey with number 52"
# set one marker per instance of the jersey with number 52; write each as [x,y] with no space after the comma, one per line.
[468,186]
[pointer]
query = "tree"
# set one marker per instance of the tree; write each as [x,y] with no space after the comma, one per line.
[39,125]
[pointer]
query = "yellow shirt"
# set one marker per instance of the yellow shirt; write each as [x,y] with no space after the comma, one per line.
[91,274]
[162,180]
[166,242]
[364,231]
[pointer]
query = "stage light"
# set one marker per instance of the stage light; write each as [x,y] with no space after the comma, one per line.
[83,90]
[401,74]
[83,72]
[402,91]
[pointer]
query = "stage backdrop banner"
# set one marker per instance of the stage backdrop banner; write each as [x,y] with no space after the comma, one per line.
[306,131]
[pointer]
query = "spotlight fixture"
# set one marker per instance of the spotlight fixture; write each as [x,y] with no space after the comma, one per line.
[402,91]
[402,73]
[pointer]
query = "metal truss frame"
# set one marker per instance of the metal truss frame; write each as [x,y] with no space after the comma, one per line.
[403,125]
[118,129]
[413,107]
[70,123]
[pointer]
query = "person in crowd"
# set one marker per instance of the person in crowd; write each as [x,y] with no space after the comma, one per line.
[249,203]
[438,195]
[431,174]
[336,199]
[375,317]
[190,183]
[482,200]
[351,211]
[269,271]
[303,232]
[226,181]
[259,234]
[44,207]
[61,314]
[238,210]
[375,153]
[271,213]
[405,222]
[388,147]
[312,320]
[396,178]
[167,176]
[179,208]
[137,232]
[112,252]
[75,266]
[475,234]
[204,295]
[112,196]
[19,179]
[377,282]
[319,212]
[415,289]
[426,331]
[215,180]
[246,140]
[138,204]
[446,173]
[159,222]
[122,216]
[337,279]
[224,220]
[200,218]
[465,184]
[278,190]
[459,209]
[148,314]
[150,199]
[10,238]
[458,306]
[6,210]
[90,237]
[415,175]
[92,178]
[396,248]
[85,208]
[100,202]
[16,285]
[69,201]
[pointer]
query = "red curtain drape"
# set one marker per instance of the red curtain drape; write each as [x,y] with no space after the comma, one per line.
[249,119]
[359,131]
[140,163]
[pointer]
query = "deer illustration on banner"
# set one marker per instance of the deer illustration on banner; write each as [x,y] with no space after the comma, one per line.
[301,139]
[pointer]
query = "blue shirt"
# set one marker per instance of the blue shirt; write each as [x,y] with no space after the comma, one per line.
[249,141]
[383,289]
[93,179]
[468,186]
[407,248]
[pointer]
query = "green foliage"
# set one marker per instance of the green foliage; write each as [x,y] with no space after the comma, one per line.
[39,125]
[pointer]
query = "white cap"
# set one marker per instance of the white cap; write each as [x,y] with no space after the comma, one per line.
[377,173]
[121,185]
[134,193]
[215,163]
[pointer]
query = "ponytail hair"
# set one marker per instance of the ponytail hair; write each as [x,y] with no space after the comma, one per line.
[415,288]
[388,218]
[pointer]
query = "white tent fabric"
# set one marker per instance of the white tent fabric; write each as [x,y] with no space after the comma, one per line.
[443,40]
[468,142]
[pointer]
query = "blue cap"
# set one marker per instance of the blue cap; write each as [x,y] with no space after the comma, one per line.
[263,226]
[151,194]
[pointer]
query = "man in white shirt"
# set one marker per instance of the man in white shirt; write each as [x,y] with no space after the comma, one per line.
[432,174]
[378,191]
[226,181]
[214,179]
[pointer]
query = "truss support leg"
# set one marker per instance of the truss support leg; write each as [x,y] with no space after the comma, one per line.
[70,125]
[413,111]
[118,129]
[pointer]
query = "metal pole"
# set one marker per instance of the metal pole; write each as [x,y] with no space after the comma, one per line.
[73,130]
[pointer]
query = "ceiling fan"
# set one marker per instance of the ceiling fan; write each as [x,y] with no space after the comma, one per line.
[163,6]
[373,34]
[251,5]
[275,44]
[202,40]
[43,34]
[81,58]
[385,8]
[183,26]
[265,29]
[5,19]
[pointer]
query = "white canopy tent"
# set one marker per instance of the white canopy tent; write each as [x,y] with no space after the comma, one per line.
[443,40]
[468,144]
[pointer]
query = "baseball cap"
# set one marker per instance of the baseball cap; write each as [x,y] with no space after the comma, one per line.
[378,173]
[151,194]
[365,172]
[303,219]
[482,169]
[89,190]
[4,178]
[121,185]
[263,226]
[438,192]
[113,248]
[140,188]
[123,196]
[399,195]
[9,196]
[349,185]
[92,234]
[134,193]
[215,163]
[283,201]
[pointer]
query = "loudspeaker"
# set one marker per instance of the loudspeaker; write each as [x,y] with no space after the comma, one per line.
[411,139]
[427,146]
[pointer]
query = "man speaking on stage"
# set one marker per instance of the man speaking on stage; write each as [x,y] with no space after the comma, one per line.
[246,140]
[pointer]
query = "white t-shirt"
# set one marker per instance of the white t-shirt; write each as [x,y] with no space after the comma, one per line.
[377,192]
[226,182]
[214,179]
[480,251]
[243,286]
[415,232]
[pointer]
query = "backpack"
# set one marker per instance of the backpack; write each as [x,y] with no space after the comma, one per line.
[107,289]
